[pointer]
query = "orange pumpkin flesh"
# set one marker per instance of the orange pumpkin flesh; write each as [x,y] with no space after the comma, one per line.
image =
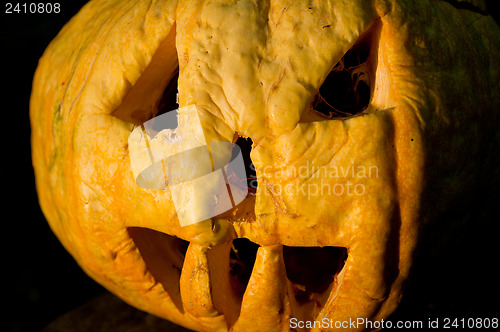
[413,101]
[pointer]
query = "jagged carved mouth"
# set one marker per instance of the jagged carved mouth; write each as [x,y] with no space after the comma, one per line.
[312,273]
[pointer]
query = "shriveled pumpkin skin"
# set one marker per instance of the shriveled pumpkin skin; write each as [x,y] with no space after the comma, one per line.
[253,68]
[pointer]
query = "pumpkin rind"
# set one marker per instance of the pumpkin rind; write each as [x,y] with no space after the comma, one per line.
[431,101]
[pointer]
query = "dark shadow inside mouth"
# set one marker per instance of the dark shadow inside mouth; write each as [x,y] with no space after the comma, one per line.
[242,260]
[312,269]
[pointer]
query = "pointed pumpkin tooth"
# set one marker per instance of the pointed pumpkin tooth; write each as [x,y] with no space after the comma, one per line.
[223,296]
[266,295]
[206,291]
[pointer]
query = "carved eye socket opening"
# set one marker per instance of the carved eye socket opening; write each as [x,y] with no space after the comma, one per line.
[168,101]
[348,88]
[155,91]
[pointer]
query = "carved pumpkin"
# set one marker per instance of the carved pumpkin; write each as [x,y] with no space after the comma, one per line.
[357,115]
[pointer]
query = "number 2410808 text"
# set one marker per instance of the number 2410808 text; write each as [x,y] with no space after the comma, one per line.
[32,8]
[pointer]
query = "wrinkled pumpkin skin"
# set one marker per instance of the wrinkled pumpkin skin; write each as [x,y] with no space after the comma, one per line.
[253,68]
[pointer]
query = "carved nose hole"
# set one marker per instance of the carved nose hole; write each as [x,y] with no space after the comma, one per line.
[245,144]
[242,260]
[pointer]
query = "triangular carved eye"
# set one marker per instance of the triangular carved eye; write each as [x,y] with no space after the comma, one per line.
[347,90]
[155,92]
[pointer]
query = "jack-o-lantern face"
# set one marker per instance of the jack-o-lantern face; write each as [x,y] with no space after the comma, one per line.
[356,113]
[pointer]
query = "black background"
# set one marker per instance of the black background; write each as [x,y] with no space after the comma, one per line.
[42,281]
